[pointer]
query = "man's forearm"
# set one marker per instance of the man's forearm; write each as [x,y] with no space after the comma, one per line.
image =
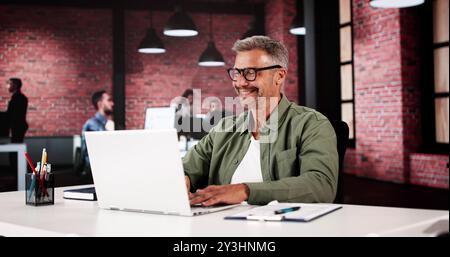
[307,188]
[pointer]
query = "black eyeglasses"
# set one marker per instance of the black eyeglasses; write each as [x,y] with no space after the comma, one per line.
[248,73]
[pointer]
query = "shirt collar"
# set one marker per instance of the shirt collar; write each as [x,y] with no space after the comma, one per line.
[281,108]
[101,118]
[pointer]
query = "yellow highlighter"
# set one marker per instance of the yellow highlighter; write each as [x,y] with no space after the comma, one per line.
[43,162]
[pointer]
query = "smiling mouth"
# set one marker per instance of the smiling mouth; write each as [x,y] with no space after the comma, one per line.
[248,91]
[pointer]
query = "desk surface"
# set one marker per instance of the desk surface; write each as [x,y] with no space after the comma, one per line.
[84,218]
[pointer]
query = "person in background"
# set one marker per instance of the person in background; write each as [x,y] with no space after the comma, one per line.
[16,116]
[17,110]
[184,106]
[184,113]
[103,120]
[215,114]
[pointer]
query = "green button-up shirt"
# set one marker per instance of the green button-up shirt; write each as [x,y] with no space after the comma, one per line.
[299,163]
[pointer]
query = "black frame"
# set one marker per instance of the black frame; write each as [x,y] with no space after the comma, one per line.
[244,71]
[351,141]
[428,96]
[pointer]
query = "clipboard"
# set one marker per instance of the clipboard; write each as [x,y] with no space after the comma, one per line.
[306,213]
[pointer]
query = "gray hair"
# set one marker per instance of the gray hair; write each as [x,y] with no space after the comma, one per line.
[275,49]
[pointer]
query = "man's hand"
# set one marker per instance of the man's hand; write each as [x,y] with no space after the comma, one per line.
[188,186]
[226,194]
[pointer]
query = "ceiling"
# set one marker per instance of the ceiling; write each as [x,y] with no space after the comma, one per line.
[213,6]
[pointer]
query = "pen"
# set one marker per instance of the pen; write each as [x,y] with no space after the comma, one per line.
[30,163]
[34,176]
[34,171]
[285,210]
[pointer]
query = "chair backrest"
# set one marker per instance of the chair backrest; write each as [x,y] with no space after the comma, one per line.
[342,132]
[79,163]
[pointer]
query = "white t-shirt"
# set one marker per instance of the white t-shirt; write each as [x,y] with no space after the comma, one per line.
[109,126]
[249,170]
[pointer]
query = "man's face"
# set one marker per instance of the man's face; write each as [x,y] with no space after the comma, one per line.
[267,83]
[10,86]
[190,99]
[106,104]
[213,106]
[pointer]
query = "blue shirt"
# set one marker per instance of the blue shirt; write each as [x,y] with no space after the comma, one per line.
[96,123]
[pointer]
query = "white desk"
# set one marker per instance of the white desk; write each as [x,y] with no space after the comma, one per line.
[84,218]
[21,162]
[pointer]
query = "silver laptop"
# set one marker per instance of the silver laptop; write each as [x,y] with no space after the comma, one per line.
[140,170]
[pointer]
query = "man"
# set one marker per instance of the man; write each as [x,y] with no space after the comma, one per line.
[102,121]
[184,107]
[185,122]
[215,114]
[298,164]
[17,110]
[16,116]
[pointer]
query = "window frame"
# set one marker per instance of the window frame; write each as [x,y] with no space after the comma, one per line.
[351,141]
[429,142]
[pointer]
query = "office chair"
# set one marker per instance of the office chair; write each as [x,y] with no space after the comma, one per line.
[342,133]
[78,164]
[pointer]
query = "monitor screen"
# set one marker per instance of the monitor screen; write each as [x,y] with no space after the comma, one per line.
[159,118]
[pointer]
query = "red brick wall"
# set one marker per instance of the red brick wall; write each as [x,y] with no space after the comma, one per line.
[429,170]
[62,55]
[387,100]
[378,93]
[154,80]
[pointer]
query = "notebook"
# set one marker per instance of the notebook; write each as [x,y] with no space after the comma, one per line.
[81,194]
[274,211]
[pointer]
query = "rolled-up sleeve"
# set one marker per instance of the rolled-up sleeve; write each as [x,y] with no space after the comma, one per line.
[197,161]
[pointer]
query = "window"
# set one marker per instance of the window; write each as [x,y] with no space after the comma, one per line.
[347,74]
[440,50]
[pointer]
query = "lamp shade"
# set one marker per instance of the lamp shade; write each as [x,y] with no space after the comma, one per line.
[395,3]
[211,57]
[180,25]
[151,44]
[298,26]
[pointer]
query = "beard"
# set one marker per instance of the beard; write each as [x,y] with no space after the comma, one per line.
[248,96]
[108,112]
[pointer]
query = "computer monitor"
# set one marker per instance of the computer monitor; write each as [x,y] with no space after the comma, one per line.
[159,118]
[191,127]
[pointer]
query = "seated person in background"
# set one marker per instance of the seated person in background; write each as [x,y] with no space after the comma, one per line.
[185,122]
[276,150]
[214,115]
[184,107]
[102,121]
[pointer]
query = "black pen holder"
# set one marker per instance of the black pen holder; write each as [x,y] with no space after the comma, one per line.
[39,191]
